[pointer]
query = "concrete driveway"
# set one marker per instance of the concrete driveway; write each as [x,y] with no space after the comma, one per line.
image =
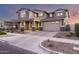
[29,41]
[42,33]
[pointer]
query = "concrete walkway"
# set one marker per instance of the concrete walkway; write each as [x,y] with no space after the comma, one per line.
[31,42]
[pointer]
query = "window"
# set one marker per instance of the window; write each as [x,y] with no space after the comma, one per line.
[31,14]
[50,15]
[59,14]
[55,22]
[40,14]
[22,14]
[35,15]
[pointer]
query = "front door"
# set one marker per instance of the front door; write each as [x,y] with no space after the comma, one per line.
[37,26]
[27,25]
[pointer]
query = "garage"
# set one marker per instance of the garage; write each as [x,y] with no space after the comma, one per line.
[51,26]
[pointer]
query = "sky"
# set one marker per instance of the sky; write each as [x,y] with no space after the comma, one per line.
[8,11]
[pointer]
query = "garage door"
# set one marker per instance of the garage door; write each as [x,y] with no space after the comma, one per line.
[51,26]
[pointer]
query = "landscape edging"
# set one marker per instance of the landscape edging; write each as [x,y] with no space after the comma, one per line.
[49,50]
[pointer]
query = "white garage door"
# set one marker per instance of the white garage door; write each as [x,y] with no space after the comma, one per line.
[51,26]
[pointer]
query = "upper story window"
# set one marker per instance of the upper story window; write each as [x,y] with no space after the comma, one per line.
[50,15]
[35,15]
[31,14]
[22,14]
[40,14]
[59,13]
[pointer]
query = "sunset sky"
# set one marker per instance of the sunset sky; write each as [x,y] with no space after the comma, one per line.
[9,11]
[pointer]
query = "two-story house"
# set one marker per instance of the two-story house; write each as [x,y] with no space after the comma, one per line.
[42,20]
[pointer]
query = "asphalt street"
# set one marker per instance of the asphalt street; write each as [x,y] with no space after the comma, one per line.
[6,48]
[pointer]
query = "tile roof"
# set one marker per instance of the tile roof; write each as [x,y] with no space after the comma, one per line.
[25,9]
[37,10]
[53,19]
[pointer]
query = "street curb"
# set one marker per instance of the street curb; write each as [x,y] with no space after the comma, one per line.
[49,50]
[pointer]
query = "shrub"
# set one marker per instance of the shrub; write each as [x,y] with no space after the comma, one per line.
[50,45]
[68,35]
[68,28]
[77,29]
[22,29]
[2,33]
[71,33]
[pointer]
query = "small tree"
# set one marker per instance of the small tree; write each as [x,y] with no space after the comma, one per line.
[22,29]
[77,29]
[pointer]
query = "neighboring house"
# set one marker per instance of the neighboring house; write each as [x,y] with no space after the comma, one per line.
[4,25]
[9,24]
[1,24]
[42,20]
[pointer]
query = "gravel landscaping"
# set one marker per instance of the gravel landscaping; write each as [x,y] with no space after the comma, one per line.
[62,47]
[66,35]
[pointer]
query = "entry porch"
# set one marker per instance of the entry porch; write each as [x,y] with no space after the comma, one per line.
[30,25]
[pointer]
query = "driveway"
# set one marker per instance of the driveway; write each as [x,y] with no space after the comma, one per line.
[29,41]
[42,33]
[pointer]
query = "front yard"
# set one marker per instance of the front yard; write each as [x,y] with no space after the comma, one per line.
[60,47]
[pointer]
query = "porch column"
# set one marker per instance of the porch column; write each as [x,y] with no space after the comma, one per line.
[22,24]
[30,26]
[39,26]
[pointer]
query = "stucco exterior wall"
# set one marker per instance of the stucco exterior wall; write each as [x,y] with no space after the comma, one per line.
[31,14]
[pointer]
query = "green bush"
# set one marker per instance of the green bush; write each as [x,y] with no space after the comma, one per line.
[2,33]
[22,29]
[77,29]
